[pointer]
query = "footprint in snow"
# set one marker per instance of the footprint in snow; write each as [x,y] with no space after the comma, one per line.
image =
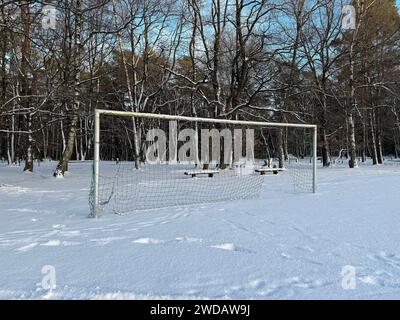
[147,241]
[104,241]
[304,283]
[369,279]
[231,247]
[70,243]
[50,234]
[225,246]
[71,233]
[27,247]
[58,226]
[257,284]
[51,243]
[188,239]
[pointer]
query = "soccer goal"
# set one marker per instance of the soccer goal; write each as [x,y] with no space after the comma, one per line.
[148,161]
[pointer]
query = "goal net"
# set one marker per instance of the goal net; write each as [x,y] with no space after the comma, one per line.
[149,161]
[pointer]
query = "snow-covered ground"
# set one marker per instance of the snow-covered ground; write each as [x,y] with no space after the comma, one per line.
[284,245]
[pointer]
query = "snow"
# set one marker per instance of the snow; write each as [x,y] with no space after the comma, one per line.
[284,245]
[148,241]
[225,246]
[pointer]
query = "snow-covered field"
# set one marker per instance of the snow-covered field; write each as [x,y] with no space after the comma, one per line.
[284,245]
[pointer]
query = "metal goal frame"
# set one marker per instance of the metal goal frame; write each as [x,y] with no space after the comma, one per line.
[101,112]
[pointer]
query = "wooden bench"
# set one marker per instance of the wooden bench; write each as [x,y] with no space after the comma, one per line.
[273,170]
[194,173]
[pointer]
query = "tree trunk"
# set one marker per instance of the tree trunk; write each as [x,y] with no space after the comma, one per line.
[267,150]
[64,142]
[374,153]
[326,159]
[364,146]
[29,154]
[285,144]
[25,90]
[396,139]
[132,103]
[280,148]
[379,148]
[62,166]
[12,140]
[352,106]
[352,142]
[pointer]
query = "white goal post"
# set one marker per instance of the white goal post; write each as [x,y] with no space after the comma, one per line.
[95,192]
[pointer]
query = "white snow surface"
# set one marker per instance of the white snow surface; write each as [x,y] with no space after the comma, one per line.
[284,245]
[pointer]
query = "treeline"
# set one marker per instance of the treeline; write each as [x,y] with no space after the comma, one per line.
[268,60]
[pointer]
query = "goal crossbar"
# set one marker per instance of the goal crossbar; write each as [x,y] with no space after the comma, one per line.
[206,120]
[99,112]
